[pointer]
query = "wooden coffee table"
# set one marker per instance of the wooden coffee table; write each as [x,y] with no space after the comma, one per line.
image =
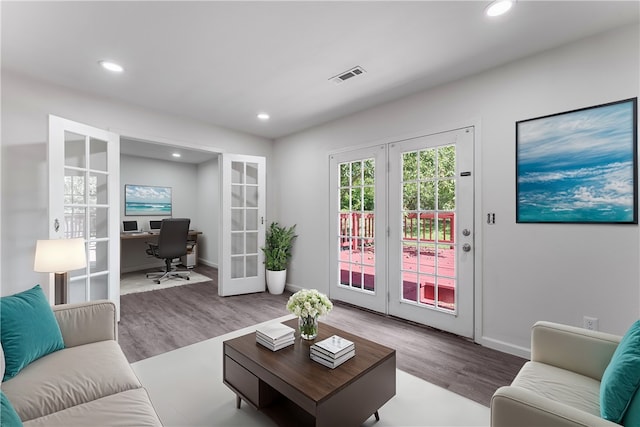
[293,390]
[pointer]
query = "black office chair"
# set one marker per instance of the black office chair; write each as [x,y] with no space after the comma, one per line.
[172,243]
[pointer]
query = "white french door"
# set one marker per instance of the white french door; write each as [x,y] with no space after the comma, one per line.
[431,220]
[402,229]
[358,227]
[243,190]
[84,202]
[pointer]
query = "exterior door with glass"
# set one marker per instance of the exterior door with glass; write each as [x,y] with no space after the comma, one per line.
[243,190]
[431,262]
[84,202]
[358,227]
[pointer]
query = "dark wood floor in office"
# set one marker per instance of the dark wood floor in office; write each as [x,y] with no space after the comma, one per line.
[156,322]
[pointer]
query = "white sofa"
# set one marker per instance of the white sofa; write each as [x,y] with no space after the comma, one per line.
[560,386]
[88,383]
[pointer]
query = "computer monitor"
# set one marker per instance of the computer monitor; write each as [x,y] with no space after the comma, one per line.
[130,226]
[155,225]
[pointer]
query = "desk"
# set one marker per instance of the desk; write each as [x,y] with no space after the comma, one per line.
[133,256]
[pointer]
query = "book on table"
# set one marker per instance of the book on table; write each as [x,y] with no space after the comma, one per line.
[275,331]
[331,363]
[334,346]
[275,346]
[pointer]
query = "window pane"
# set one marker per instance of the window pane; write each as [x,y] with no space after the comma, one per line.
[251,242]
[237,173]
[409,286]
[447,161]
[99,287]
[252,196]
[427,259]
[428,164]
[252,265]
[447,194]
[97,154]
[252,173]
[427,290]
[74,154]
[446,293]
[356,199]
[237,243]
[409,196]
[427,196]
[345,173]
[369,172]
[344,199]
[237,219]
[98,222]
[237,267]
[237,196]
[252,219]
[356,171]
[409,166]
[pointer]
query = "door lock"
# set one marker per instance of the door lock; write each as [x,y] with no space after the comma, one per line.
[466,247]
[466,232]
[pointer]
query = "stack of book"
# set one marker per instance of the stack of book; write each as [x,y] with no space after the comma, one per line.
[275,336]
[333,351]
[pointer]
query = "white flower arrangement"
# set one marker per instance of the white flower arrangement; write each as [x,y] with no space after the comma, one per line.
[309,303]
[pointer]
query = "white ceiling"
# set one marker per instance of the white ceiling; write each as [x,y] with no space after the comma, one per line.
[223,62]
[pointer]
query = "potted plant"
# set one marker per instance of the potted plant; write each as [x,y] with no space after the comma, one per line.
[277,252]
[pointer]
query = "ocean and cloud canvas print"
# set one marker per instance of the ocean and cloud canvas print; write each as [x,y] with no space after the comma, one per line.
[147,200]
[579,166]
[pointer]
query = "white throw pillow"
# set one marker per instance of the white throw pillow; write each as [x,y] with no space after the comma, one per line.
[1,364]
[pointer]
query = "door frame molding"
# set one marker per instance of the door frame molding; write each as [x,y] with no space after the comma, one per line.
[478,271]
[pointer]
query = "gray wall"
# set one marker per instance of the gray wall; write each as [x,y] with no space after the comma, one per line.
[26,104]
[527,272]
[208,211]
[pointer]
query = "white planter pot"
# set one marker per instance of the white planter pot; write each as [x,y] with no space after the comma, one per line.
[276,281]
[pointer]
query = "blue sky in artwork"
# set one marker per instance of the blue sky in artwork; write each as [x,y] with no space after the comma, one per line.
[577,167]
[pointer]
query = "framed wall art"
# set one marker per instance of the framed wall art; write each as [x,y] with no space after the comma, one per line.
[147,200]
[579,166]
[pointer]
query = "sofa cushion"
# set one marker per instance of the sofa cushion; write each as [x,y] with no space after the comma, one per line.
[632,415]
[622,376]
[129,408]
[70,377]
[29,329]
[8,415]
[575,390]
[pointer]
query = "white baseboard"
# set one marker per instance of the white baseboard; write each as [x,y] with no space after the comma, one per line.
[505,347]
[207,263]
[292,288]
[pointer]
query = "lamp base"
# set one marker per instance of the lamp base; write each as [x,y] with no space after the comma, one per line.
[60,284]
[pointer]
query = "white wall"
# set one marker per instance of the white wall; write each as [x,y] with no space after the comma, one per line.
[208,212]
[529,271]
[26,104]
[183,180]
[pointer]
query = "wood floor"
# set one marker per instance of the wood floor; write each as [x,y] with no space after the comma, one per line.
[155,322]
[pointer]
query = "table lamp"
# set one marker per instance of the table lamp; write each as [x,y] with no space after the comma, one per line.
[60,256]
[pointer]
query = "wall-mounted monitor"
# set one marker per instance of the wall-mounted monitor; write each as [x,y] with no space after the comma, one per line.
[147,200]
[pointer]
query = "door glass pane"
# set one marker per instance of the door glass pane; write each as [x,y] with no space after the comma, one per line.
[446,194]
[237,196]
[252,173]
[409,166]
[427,290]
[446,293]
[356,234]
[237,267]
[97,155]
[74,150]
[252,219]
[74,222]
[409,286]
[427,196]
[99,286]
[252,243]
[98,222]
[447,161]
[427,164]
[252,265]
[74,188]
[77,290]
[98,256]
[237,173]
[410,196]
[237,243]
[252,197]
[237,220]
[98,193]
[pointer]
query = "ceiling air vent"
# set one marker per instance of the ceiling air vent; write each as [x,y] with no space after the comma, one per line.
[355,71]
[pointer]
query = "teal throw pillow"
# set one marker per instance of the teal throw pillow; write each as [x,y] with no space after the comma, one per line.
[632,416]
[8,416]
[28,329]
[622,376]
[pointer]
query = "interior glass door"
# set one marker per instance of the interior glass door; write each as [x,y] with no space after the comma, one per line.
[243,210]
[84,203]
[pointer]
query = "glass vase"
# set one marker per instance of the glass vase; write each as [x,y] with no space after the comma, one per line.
[308,327]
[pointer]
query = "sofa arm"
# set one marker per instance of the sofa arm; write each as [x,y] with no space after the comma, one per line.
[86,322]
[565,347]
[517,406]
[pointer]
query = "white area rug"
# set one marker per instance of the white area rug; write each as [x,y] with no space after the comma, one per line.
[185,386]
[131,283]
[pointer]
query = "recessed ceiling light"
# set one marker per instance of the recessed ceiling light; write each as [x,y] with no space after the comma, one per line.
[498,7]
[111,66]
[176,155]
[263,116]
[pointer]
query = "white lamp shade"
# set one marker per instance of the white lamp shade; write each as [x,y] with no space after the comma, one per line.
[59,255]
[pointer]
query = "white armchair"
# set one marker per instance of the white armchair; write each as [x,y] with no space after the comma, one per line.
[560,386]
